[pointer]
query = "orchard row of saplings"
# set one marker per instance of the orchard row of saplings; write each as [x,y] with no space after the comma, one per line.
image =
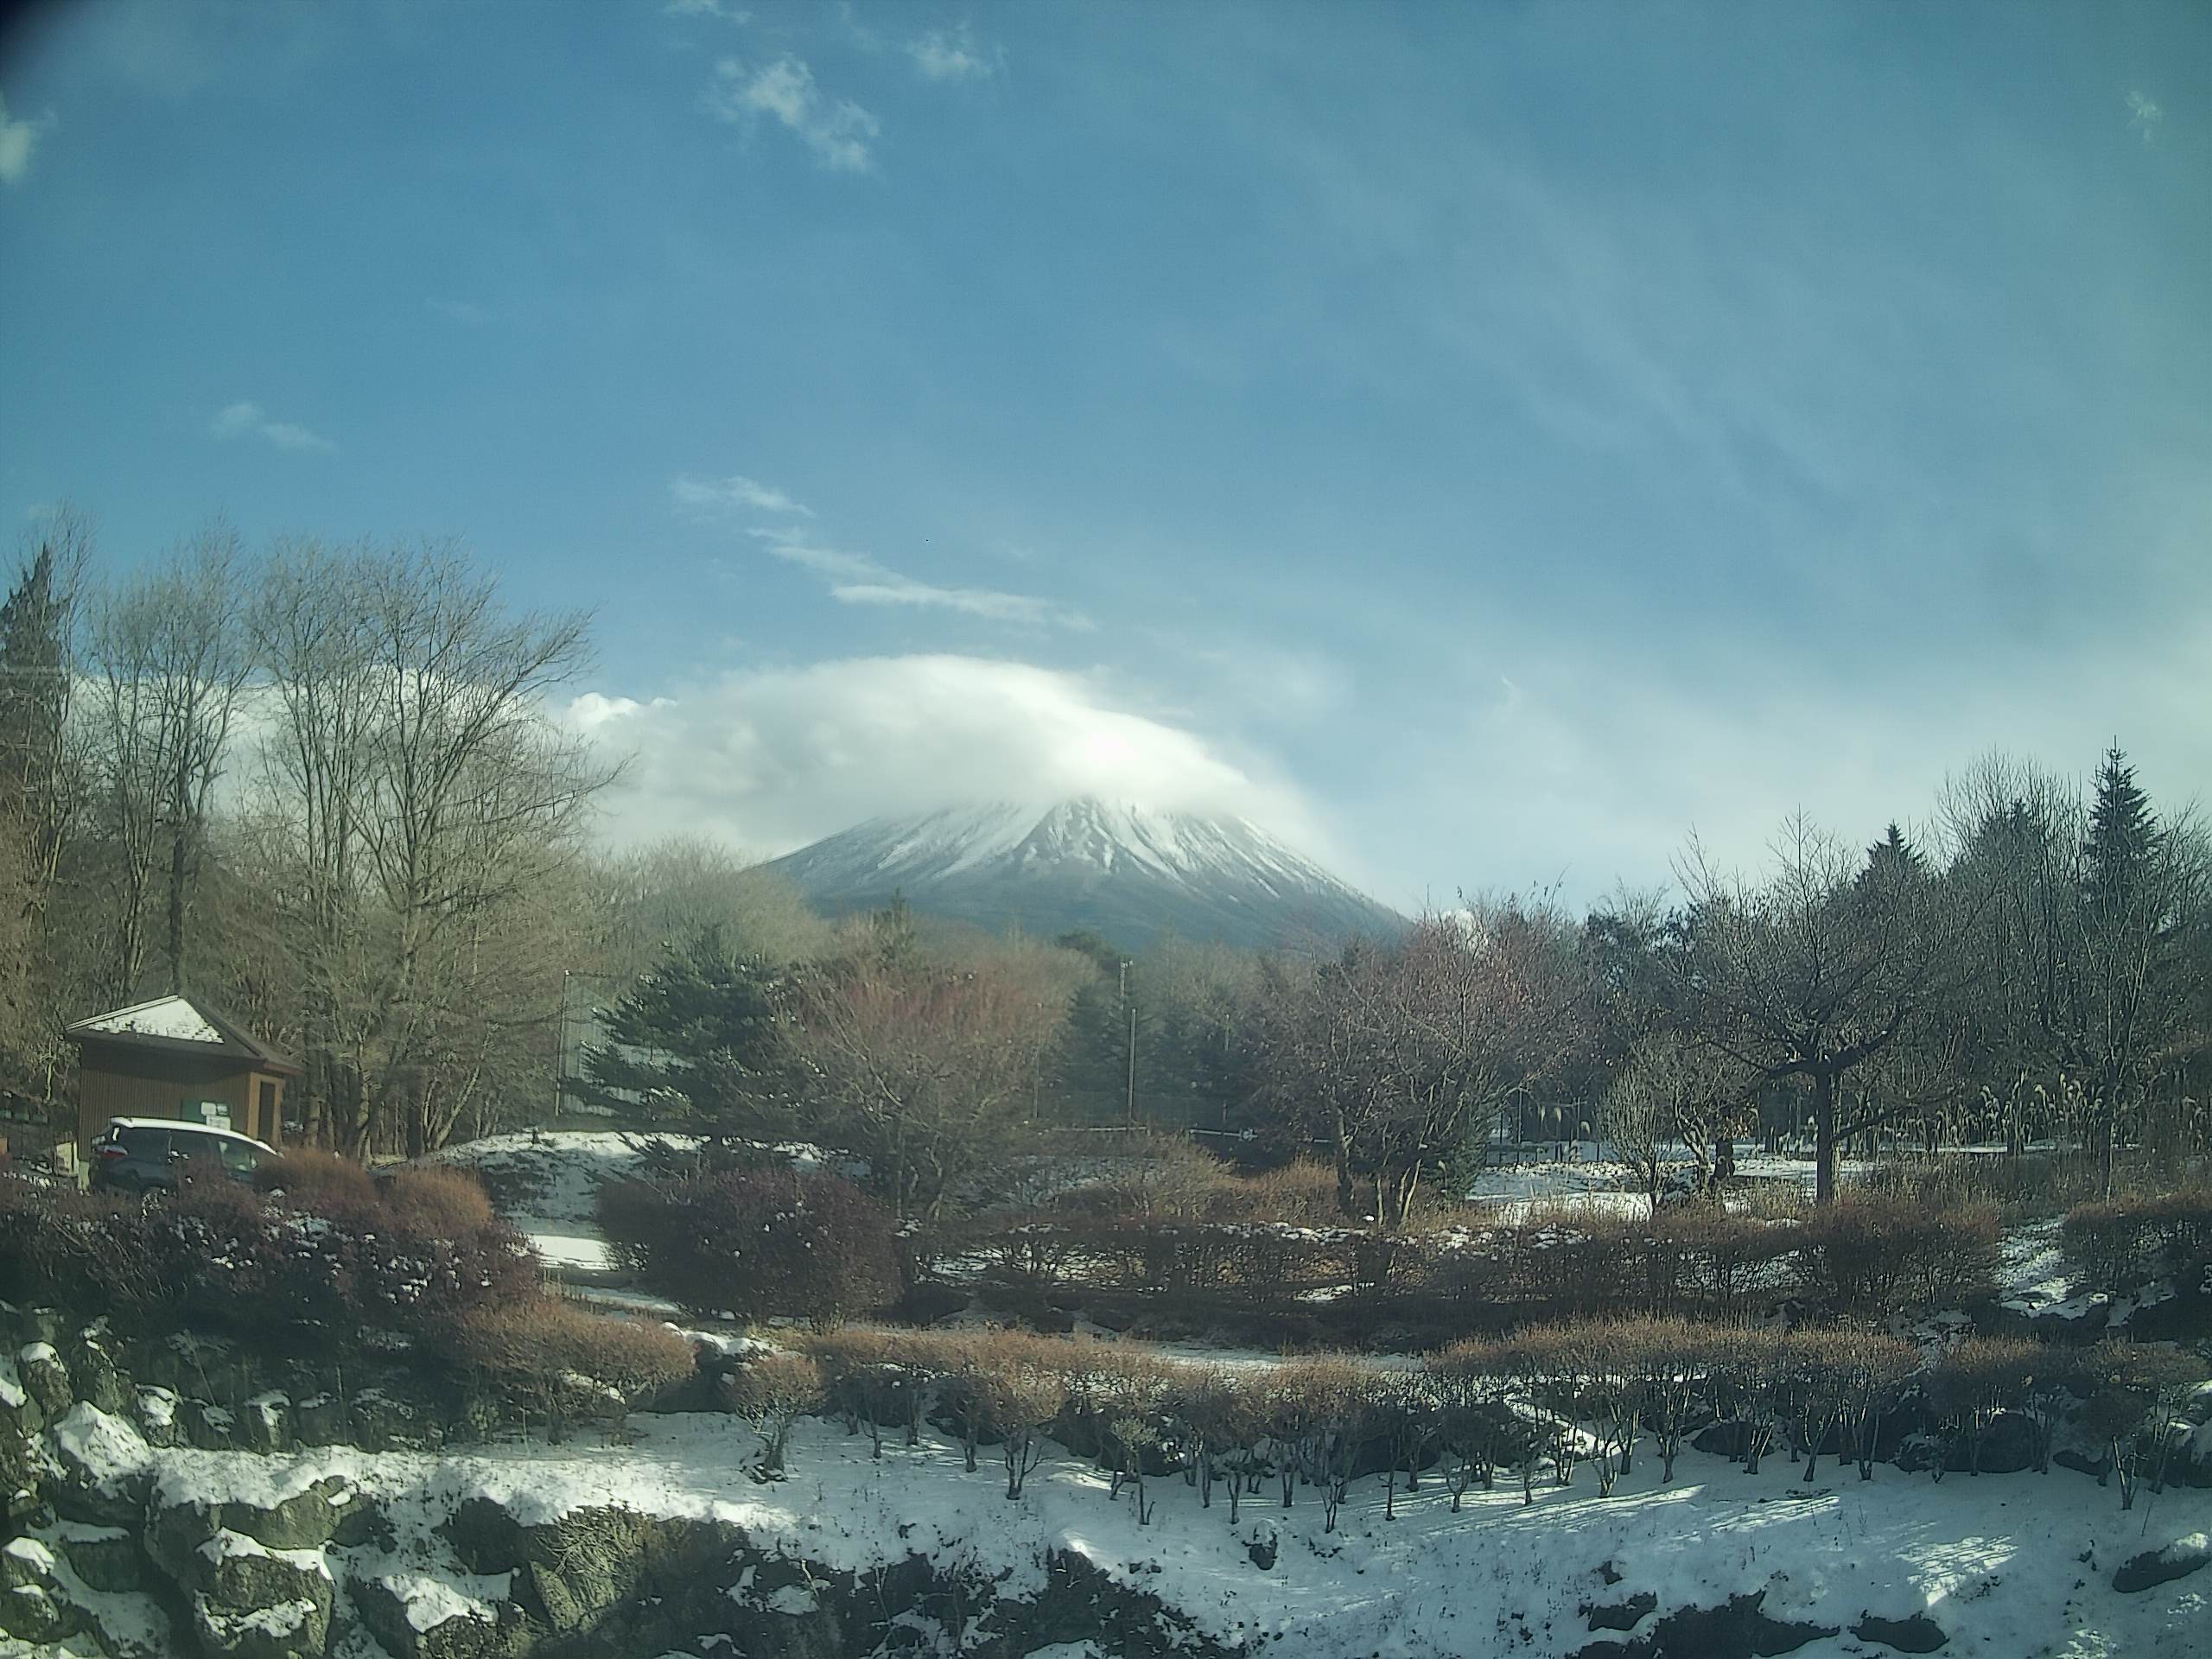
[1532,1408]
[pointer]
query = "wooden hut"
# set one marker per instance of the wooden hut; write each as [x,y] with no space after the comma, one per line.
[176,1057]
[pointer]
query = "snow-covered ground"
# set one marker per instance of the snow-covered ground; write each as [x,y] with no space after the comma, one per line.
[2009,1567]
[547,1184]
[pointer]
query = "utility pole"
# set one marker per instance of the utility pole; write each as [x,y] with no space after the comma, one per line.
[1129,1006]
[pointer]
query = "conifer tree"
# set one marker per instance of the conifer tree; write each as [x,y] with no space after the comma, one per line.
[703,1041]
[2122,838]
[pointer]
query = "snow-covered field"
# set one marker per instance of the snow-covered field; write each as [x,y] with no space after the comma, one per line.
[2010,1566]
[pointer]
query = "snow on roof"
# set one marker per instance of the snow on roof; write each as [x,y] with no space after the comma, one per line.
[173,1017]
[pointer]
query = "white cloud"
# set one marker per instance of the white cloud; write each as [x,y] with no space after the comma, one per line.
[707,8]
[838,130]
[2144,115]
[858,579]
[247,420]
[735,491]
[18,140]
[771,759]
[955,57]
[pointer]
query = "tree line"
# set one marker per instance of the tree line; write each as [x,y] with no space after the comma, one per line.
[329,788]
[2035,968]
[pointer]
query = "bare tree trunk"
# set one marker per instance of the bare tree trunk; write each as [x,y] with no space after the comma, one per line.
[1824,1149]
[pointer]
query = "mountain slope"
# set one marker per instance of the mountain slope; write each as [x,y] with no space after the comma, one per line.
[1126,872]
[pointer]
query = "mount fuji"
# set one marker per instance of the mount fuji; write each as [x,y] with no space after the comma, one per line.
[1126,872]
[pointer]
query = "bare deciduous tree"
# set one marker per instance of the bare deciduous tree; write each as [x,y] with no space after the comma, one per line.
[929,1072]
[1825,965]
[424,801]
[1400,1054]
[170,660]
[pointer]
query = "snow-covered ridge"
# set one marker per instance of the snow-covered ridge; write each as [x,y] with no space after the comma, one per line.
[1121,868]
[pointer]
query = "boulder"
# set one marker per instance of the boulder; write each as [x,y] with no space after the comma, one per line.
[298,1628]
[206,1427]
[382,1422]
[45,1378]
[1721,1440]
[105,1558]
[99,1462]
[92,1373]
[414,1616]
[1737,1629]
[2010,1444]
[154,1412]
[1915,1633]
[248,1601]
[2188,1454]
[265,1423]
[1621,1615]
[2196,1405]
[19,1413]
[2155,1567]
[212,1369]
[319,1419]
[330,1510]
[35,1605]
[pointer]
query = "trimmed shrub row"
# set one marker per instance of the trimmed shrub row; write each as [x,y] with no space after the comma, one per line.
[1534,1407]
[2129,1242]
[330,1255]
[1865,1254]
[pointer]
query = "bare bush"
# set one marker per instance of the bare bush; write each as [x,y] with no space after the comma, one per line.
[772,1391]
[436,1202]
[319,1182]
[758,1243]
[1870,1255]
[564,1362]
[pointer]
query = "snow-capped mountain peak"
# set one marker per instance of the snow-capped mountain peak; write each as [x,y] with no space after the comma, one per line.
[1124,870]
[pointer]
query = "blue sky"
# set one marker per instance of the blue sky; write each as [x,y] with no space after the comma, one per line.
[1483,442]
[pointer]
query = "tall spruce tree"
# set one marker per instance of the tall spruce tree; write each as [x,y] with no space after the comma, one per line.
[2126,1005]
[1894,855]
[2122,841]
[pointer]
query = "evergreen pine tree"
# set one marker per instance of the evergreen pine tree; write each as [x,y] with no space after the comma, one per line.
[1895,857]
[704,1042]
[34,698]
[2122,837]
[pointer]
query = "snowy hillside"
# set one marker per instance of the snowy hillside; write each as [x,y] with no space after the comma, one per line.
[1125,872]
[453,1555]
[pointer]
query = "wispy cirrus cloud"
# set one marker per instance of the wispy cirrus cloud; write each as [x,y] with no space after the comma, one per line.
[19,140]
[839,132]
[245,419]
[720,8]
[860,579]
[855,578]
[735,491]
[953,55]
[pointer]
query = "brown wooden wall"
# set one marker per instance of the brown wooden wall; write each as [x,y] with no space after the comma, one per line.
[104,1090]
